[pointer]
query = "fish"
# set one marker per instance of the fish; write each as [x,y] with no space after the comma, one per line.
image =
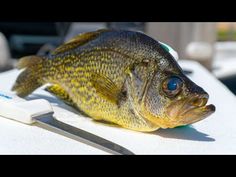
[120,77]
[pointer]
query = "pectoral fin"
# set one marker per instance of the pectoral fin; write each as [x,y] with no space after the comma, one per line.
[107,89]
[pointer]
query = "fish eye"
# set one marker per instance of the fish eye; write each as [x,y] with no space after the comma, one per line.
[172,86]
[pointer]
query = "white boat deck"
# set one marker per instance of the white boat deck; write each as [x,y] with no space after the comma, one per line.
[224,65]
[214,135]
[224,68]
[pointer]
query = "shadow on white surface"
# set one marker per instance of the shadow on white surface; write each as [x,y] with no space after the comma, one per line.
[55,101]
[186,133]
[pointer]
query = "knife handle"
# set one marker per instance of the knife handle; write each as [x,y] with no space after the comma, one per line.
[21,110]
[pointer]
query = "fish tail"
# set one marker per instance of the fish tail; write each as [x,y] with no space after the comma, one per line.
[31,78]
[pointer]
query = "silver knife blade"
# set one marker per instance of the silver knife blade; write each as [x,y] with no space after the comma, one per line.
[52,124]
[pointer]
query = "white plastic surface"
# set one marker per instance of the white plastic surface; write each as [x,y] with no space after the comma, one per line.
[16,108]
[214,135]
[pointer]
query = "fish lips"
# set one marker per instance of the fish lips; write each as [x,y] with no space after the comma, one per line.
[196,114]
[190,110]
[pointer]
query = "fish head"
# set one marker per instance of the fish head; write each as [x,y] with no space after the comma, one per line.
[176,100]
[172,99]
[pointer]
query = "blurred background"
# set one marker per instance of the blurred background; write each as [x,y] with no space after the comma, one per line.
[211,44]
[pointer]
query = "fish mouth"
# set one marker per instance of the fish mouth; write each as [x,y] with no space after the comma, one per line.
[191,110]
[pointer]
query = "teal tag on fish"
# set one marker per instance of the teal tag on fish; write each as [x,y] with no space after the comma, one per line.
[165,47]
[170,50]
[182,126]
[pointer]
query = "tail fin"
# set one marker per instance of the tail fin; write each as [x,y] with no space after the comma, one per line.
[31,78]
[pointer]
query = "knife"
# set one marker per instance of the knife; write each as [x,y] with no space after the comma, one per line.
[41,115]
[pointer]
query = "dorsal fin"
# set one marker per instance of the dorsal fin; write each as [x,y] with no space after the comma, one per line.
[78,40]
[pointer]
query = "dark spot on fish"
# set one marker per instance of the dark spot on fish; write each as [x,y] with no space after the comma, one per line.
[131,111]
[122,97]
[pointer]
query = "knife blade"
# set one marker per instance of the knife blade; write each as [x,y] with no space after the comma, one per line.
[54,125]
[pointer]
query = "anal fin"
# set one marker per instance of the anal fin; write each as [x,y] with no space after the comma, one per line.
[59,92]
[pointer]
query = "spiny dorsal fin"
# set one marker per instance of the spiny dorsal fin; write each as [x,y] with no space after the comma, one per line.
[78,40]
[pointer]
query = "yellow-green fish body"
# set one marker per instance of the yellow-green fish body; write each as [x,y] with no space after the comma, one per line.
[110,75]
